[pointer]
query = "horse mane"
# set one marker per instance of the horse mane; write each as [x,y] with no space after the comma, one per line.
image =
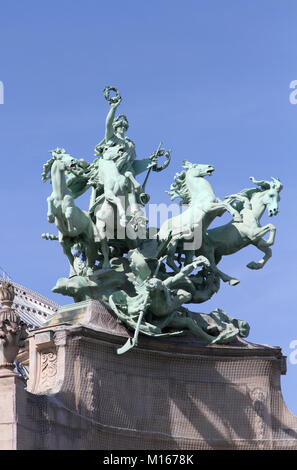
[179,188]
[248,193]
[95,173]
[47,169]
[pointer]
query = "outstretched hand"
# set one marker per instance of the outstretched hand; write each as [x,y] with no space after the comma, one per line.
[115,104]
[153,160]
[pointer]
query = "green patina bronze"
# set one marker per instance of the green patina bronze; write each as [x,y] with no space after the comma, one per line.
[145,275]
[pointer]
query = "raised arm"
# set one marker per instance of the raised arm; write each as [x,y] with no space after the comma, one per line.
[186,270]
[109,131]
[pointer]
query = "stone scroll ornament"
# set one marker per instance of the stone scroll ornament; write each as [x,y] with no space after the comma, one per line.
[148,276]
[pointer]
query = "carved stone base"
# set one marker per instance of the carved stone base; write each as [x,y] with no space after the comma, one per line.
[176,393]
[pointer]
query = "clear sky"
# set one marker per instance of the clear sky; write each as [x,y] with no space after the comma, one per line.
[210,78]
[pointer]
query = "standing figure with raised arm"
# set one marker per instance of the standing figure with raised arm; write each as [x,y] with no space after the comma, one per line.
[113,174]
[115,145]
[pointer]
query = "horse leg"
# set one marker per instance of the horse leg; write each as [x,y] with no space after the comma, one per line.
[115,200]
[263,246]
[133,206]
[268,228]
[210,255]
[224,206]
[138,219]
[69,219]
[262,231]
[105,253]
[91,255]
[101,238]
[235,214]
[225,277]
[135,184]
[50,209]
[271,238]
[68,209]
[66,246]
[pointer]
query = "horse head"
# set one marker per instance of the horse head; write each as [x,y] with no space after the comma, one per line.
[185,181]
[64,160]
[198,169]
[269,193]
[60,160]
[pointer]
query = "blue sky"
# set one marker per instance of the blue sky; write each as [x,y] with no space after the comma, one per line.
[209,78]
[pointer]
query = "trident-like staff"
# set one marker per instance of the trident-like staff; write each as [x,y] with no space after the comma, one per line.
[144,197]
[131,342]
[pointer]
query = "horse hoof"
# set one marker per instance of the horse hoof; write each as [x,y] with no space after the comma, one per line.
[253,265]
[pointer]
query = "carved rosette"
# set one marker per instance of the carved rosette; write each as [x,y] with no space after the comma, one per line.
[12,329]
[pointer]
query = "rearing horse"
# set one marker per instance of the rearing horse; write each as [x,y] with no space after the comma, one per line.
[114,201]
[204,206]
[232,237]
[72,222]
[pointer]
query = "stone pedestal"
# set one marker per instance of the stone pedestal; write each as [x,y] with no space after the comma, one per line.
[13,402]
[176,393]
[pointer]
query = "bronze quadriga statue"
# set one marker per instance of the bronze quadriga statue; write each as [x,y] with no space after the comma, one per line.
[128,365]
[147,277]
